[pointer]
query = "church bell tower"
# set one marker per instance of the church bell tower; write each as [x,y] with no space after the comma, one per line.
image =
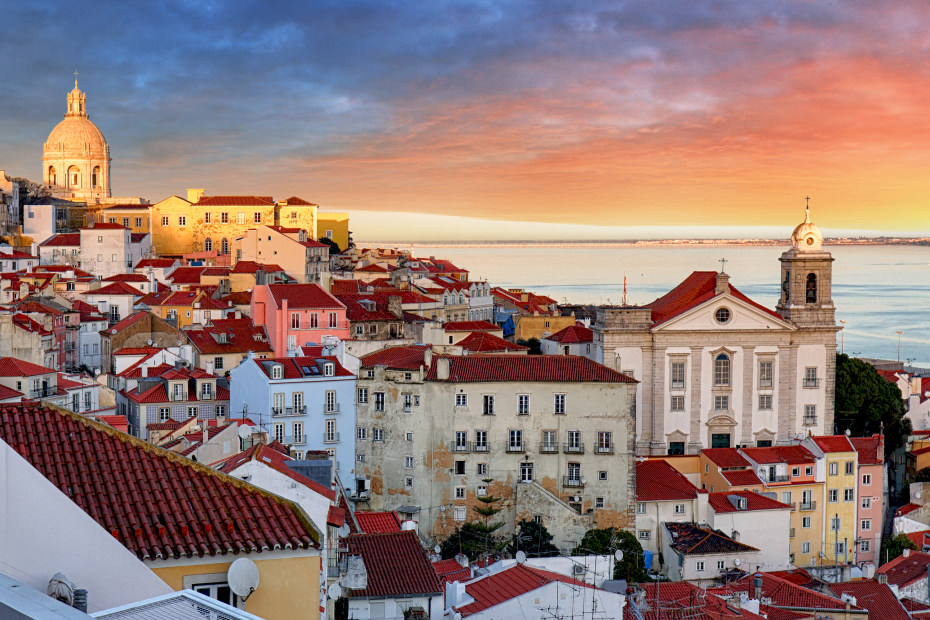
[806,279]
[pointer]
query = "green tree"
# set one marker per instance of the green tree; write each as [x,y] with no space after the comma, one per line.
[896,546]
[605,541]
[477,537]
[32,193]
[333,246]
[533,539]
[466,539]
[534,345]
[866,404]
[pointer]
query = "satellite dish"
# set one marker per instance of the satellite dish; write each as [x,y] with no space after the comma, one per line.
[618,555]
[243,577]
[344,530]
[736,562]
[334,591]
[245,431]
[848,432]
[437,548]
[521,557]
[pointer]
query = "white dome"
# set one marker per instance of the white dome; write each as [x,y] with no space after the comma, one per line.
[807,237]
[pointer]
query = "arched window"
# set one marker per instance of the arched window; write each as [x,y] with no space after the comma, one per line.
[224,246]
[95,177]
[52,177]
[811,288]
[74,176]
[208,245]
[722,370]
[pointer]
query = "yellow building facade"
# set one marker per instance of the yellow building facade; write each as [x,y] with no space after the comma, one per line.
[137,218]
[840,497]
[538,326]
[334,226]
[201,223]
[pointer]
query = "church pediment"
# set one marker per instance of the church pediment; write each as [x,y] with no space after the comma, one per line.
[724,313]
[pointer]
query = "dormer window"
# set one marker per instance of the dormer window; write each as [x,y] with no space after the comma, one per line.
[277,371]
[329,369]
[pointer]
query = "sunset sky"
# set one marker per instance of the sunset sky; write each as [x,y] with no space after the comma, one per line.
[704,118]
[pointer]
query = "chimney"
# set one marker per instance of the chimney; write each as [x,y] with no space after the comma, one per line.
[906,553]
[757,586]
[394,306]
[723,284]
[882,578]
[194,195]
[442,368]
[145,372]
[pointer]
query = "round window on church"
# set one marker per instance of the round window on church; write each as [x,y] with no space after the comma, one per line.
[810,241]
[722,315]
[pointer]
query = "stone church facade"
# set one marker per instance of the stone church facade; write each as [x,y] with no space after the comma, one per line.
[718,369]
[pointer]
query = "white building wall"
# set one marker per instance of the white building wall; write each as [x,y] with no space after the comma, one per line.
[39,221]
[769,531]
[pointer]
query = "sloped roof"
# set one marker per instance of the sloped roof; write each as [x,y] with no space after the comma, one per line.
[7,393]
[499,587]
[484,342]
[450,570]
[681,600]
[725,457]
[276,460]
[792,455]
[63,239]
[869,449]
[235,201]
[656,480]
[537,368]
[903,571]
[920,538]
[693,539]
[783,593]
[833,443]
[186,275]
[396,563]
[294,366]
[572,334]
[356,311]
[12,367]
[876,597]
[378,522]
[230,336]
[696,289]
[721,503]
[250,266]
[470,326]
[303,296]
[105,225]
[116,288]
[158,504]
[400,358]
[294,201]
[741,477]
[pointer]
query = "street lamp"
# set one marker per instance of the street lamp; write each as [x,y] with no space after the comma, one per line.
[899,344]
[842,337]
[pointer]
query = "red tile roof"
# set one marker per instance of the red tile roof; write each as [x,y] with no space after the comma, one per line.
[656,480]
[694,539]
[377,522]
[400,358]
[24,322]
[372,268]
[907,508]
[116,288]
[903,571]
[298,202]
[293,366]
[496,588]
[470,326]
[303,296]
[12,367]
[276,460]
[725,457]
[357,312]
[920,538]
[685,601]
[63,239]
[132,319]
[450,570]
[126,277]
[250,266]
[186,275]
[230,336]
[721,503]
[572,334]
[158,504]
[914,607]
[693,291]
[834,443]
[870,450]
[119,422]
[538,368]
[876,597]
[235,201]
[396,563]
[783,593]
[792,455]
[741,478]
[7,393]
[484,342]
[155,263]
[105,225]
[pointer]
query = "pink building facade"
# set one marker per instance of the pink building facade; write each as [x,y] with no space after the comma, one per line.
[298,315]
[873,496]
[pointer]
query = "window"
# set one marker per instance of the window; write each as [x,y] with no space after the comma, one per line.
[164,414]
[362,433]
[834,468]
[408,462]
[722,370]
[224,217]
[333,319]
[574,473]
[766,373]
[482,469]
[722,315]
[516,440]
[810,415]
[277,371]
[220,411]
[700,564]
[329,369]
[832,495]
[810,293]
[720,440]
[459,492]
[865,524]
[559,405]
[834,523]
[720,565]
[257,217]
[523,404]
[598,502]
[677,403]
[408,436]
[459,513]
[604,442]
[574,441]
[408,482]
[379,401]
[840,548]
[295,320]
[164,220]
[866,479]
[641,508]
[850,468]
[865,546]
[679,509]
[721,402]
[805,521]
[461,400]
[602,475]
[461,441]
[224,246]
[644,535]
[363,395]
[488,404]
[765,402]
[481,441]
[360,457]
[805,547]
[206,391]
[526,472]
[329,402]
[279,432]
[377,434]
[182,220]
[786,497]
[809,470]
[848,495]
[795,472]
[678,375]
[240,217]
[207,217]
[676,447]
[138,222]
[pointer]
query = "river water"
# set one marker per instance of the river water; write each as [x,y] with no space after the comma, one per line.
[878,290]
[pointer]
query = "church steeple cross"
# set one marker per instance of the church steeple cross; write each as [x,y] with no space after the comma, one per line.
[75,78]
[723,265]
[807,209]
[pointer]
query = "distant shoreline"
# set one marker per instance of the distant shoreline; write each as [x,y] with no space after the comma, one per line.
[606,243]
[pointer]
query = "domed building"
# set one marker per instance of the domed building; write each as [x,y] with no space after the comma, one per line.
[76,158]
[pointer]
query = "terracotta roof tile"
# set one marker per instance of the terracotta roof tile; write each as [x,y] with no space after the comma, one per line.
[721,503]
[383,554]
[303,296]
[783,593]
[656,480]
[470,326]
[377,522]
[540,368]
[294,366]
[116,288]
[876,597]
[450,570]
[572,334]
[834,443]
[685,601]
[230,336]
[12,367]
[903,571]
[496,588]
[725,457]
[484,342]
[400,358]
[250,266]
[298,202]
[870,450]
[741,478]
[105,226]
[277,461]
[158,504]
[694,539]
[692,292]
[63,239]
[235,201]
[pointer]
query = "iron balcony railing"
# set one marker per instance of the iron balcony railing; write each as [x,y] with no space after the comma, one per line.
[811,382]
[572,481]
[515,447]
[549,448]
[331,438]
[573,448]
[605,450]
[481,447]
[461,446]
[812,505]
[297,439]
[331,408]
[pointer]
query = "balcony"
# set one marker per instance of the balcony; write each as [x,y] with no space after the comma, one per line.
[572,481]
[549,448]
[765,383]
[43,392]
[515,447]
[296,439]
[678,385]
[573,448]
[812,505]
[461,446]
[331,438]
[331,408]
[809,420]
[277,411]
[811,382]
[604,450]
[481,447]
[782,478]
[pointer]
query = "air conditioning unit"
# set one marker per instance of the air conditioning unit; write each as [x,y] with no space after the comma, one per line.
[578,569]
